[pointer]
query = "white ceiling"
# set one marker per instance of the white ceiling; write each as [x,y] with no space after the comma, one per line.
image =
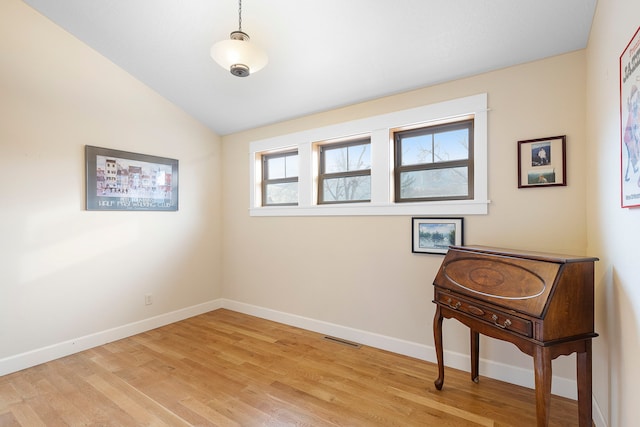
[323,54]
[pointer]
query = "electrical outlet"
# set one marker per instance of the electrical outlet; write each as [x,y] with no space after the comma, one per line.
[148,299]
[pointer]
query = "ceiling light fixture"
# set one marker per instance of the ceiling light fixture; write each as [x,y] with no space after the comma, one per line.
[238,54]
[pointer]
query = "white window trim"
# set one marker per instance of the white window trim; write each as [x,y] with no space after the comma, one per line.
[381,163]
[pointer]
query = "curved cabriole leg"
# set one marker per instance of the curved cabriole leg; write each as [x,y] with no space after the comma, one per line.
[437,335]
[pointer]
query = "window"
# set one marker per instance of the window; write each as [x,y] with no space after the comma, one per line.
[345,172]
[349,168]
[280,179]
[434,162]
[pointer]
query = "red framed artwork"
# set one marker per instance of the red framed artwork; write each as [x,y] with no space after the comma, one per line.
[630,123]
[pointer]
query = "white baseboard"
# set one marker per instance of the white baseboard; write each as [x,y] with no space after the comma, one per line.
[511,374]
[55,351]
[597,415]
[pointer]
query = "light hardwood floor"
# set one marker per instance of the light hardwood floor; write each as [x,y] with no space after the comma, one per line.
[229,369]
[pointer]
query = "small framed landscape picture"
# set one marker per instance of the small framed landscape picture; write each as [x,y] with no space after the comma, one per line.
[435,235]
[542,162]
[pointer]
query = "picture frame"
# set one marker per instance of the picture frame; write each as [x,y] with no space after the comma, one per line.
[542,162]
[123,181]
[630,124]
[435,235]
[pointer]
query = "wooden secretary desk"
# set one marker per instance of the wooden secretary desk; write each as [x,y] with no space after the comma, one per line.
[542,303]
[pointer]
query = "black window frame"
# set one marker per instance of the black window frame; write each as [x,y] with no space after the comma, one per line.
[399,169]
[265,173]
[322,175]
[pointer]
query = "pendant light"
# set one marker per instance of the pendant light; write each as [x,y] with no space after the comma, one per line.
[238,54]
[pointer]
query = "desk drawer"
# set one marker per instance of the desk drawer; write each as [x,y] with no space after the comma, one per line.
[499,319]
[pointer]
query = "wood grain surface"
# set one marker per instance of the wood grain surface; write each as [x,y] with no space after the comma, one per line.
[224,368]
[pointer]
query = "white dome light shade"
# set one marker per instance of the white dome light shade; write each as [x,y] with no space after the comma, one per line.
[239,55]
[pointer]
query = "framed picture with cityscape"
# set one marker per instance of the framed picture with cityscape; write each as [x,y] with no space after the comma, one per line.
[123,181]
[542,162]
[435,235]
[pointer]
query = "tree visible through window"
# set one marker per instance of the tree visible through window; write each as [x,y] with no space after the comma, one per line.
[345,172]
[434,163]
[425,160]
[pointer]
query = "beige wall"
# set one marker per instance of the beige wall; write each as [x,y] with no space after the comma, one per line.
[613,232]
[67,273]
[359,272]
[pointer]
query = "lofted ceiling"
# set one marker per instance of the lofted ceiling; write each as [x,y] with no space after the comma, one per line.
[323,54]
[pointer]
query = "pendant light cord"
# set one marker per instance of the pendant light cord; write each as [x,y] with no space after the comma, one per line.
[240,15]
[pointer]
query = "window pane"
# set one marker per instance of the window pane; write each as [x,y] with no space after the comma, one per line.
[275,167]
[284,193]
[291,166]
[335,160]
[282,166]
[347,189]
[452,145]
[344,159]
[417,150]
[450,182]
[360,157]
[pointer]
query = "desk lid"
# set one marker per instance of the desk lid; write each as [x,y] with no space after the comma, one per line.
[517,253]
[517,280]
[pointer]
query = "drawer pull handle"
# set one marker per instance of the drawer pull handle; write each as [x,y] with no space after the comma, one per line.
[505,325]
[450,303]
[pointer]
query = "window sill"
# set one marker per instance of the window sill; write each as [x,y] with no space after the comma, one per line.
[466,207]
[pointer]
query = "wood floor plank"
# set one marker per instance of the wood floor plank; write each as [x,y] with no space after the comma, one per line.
[7,419]
[128,402]
[225,368]
[8,395]
[24,415]
[209,412]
